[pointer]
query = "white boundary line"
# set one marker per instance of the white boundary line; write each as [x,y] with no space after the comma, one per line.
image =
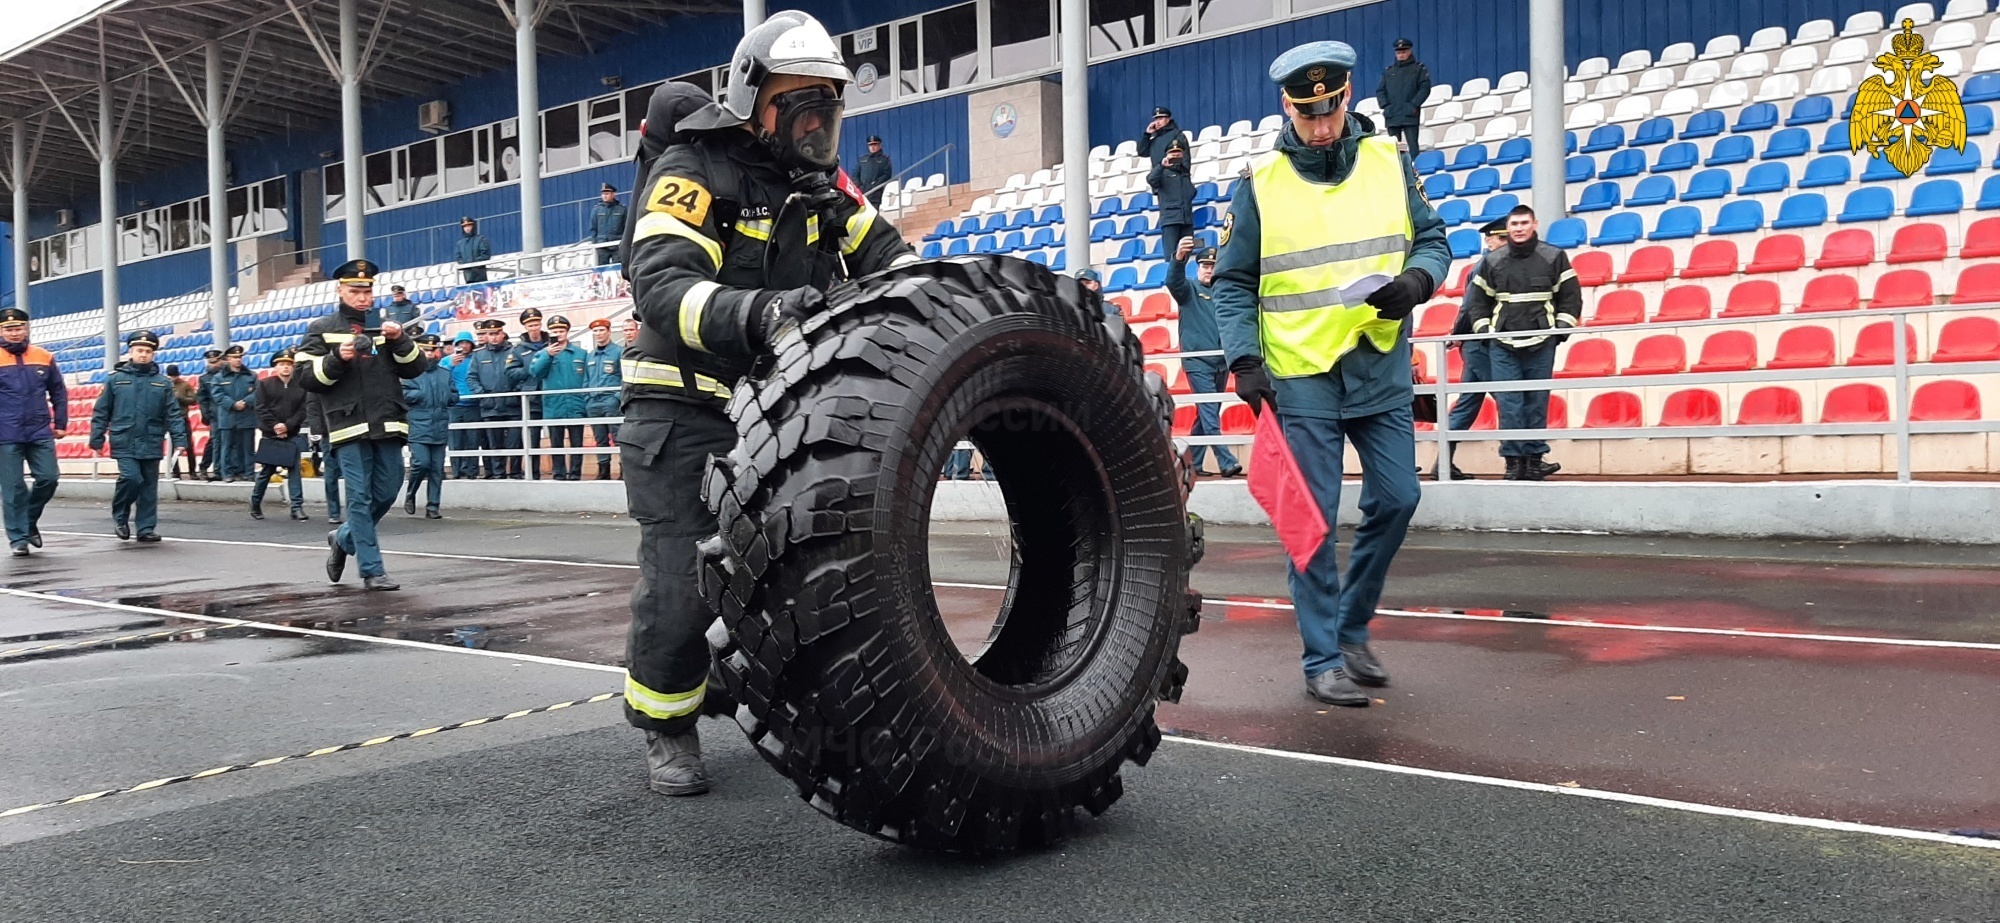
[1693,807]
[1206,601]
[1492,781]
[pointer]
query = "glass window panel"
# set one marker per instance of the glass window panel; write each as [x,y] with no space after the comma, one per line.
[908,81]
[273,205]
[38,256]
[951,48]
[1120,25]
[129,243]
[380,170]
[460,170]
[180,231]
[58,264]
[1180,18]
[402,158]
[606,141]
[199,223]
[635,113]
[239,206]
[152,236]
[333,177]
[1221,15]
[1023,37]
[423,170]
[562,140]
[506,152]
[867,54]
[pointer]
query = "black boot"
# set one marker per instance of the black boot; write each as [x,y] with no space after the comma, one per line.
[604,471]
[1513,467]
[1534,469]
[410,503]
[298,514]
[256,509]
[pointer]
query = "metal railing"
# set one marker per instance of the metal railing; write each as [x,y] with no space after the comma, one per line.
[948,147]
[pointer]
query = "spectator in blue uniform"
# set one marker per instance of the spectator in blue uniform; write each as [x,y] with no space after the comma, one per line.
[236,402]
[562,366]
[607,225]
[431,397]
[1206,374]
[472,247]
[605,371]
[464,410]
[34,413]
[499,446]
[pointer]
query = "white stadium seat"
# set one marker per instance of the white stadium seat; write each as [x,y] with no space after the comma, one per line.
[1585,115]
[1777,87]
[1701,73]
[1863,23]
[1767,39]
[1679,102]
[1830,81]
[1458,135]
[1657,80]
[1451,111]
[1847,51]
[1572,93]
[1473,89]
[1439,94]
[1964,9]
[1209,133]
[1632,62]
[1522,102]
[1993,32]
[1484,107]
[1612,87]
[1920,14]
[1803,58]
[1369,106]
[1676,54]
[1500,129]
[1721,46]
[1988,60]
[1276,122]
[1749,66]
[1728,94]
[1950,63]
[1126,149]
[1954,35]
[1511,81]
[1632,109]
[1239,128]
[1592,68]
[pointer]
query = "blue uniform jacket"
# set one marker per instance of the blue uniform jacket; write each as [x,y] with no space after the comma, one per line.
[604,372]
[488,375]
[404,313]
[30,385]
[231,387]
[137,411]
[429,397]
[607,223]
[472,248]
[1364,381]
[1173,187]
[520,376]
[560,371]
[1197,305]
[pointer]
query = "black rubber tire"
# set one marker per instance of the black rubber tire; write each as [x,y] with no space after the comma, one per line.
[847,680]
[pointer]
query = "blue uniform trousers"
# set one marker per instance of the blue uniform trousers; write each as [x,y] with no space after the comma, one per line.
[427,466]
[24,504]
[464,440]
[329,474]
[293,488]
[1205,376]
[1523,409]
[233,461]
[373,470]
[1465,407]
[1330,615]
[136,496]
[603,434]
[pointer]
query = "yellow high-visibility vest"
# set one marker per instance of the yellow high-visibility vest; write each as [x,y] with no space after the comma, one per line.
[1319,240]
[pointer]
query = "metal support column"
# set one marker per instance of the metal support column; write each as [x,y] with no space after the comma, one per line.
[1545,82]
[527,98]
[19,172]
[218,201]
[107,221]
[352,165]
[1076,133]
[753,15]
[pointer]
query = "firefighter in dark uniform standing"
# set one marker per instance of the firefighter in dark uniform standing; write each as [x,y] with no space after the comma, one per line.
[357,363]
[737,233]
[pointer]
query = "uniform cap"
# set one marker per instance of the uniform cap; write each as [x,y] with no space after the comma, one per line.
[1314,75]
[1496,226]
[1205,255]
[232,351]
[429,340]
[608,188]
[12,317]
[874,139]
[357,272]
[212,354]
[1162,112]
[1403,44]
[467,220]
[1088,275]
[489,323]
[283,355]
[398,289]
[173,371]
[600,324]
[143,338]
[558,322]
[531,314]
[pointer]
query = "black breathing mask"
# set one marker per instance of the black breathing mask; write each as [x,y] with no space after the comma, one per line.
[808,134]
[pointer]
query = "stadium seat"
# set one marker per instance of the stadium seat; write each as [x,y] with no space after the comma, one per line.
[1430,162]
[1454,212]
[960,246]
[1945,400]
[1653,131]
[1648,264]
[1693,407]
[1803,210]
[1469,157]
[1921,242]
[1754,298]
[1593,267]
[1874,345]
[1982,239]
[1731,150]
[1513,150]
[1947,162]
[1835,140]
[1677,223]
[1711,258]
[1522,177]
[1989,194]
[1739,217]
[1766,178]
[1756,117]
[1628,162]
[1879,170]
[1728,351]
[1834,170]
[1567,233]
[1680,155]
[1604,138]
[1786,143]
[1124,278]
[1770,406]
[1613,410]
[1980,89]
[1871,203]
[1703,125]
[1497,207]
[1807,347]
[1440,186]
[1464,243]
[1936,197]
[1968,339]
[1599,197]
[1480,182]
[1856,403]
[1620,228]
[1708,184]
[1831,292]
[1589,359]
[1810,110]
[1978,121]
[1653,190]
[1979,284]
[1105,209]
[1620,306]
[1437,320]
[1684,303]
[1903,288]
[1663,354]
[1156,339]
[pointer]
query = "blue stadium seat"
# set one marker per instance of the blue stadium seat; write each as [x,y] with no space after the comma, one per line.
[1756,117]
[1835,140]
[1937,197]
[1653,131]
[1708,184]
[1206,217]
[1134,226]
[1130,253]
[1604,138]
[960,246]
[1014,240]
[1139,202]
[1879,170]
[1945,161]
[1439,186]
[1833,170]
[1620,228]
[1110,206]
[1512,150]
[1703,125]
[1061,262]
[1739,217]
[1653,190]
[1869,203]
[1627,162]
[1677,223]
[1811,110]
[1787,142]
[1980,89]
[1038,258]
[1733,149]
[1497,207]
[1103,230]
[1766,177]
[1480,182]
[1454,212]
[1469,157]
[1429,162]
[1206,193]
[1464,243]
[1124,278]
[1567,233]
[986,244]
[1052,215]
[1598,197]
[994,222]
[1020,219]
[1579,169]
[1680,155]
[1156,277]
[1989,194]
[1978,121]
[1523,177]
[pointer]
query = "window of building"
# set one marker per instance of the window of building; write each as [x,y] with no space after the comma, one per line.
[605,141]
[333,178]
[461,170]
[1121,25]
[909,79]
[152,233]
[635,114]
[1321,6]
[506,152]
[951,48]
[273,202]
[129,243]
[180,226]
[198,224]
[562,140]
[1024,36]
[420,172]
[867,55]
[380,175]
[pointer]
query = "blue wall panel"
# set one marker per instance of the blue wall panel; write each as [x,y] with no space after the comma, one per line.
[910,133]
[160,277]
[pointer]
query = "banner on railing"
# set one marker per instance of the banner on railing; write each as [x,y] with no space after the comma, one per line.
[564,291]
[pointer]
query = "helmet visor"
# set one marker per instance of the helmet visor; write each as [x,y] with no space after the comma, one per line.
[809,125]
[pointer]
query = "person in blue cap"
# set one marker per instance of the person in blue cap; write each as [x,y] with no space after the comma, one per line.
[1314,320]
[466,410]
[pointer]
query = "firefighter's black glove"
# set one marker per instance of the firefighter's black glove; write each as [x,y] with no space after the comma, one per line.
[1396,300]
[1253,385]
[782,311]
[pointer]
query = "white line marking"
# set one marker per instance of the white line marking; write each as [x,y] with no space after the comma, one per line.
[1208,601]
[1793,820]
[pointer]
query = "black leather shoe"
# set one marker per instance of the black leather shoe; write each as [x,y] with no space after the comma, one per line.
[35,537]
[256,511]
[149,538]
[1361,665]
[336,559]
[380,583]
[299,515]
[433,514]
[20,549]
[1513,468]
[1534,469]
[410,505]
[1335,688]
[124,531]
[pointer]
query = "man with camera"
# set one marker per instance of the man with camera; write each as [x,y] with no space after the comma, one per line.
[1170,179]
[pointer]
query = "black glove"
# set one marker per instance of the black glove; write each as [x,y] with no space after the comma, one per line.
[1396,300]
[785,309]
[1253,385]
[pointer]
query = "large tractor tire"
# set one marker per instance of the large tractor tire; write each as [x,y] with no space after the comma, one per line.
[846,679]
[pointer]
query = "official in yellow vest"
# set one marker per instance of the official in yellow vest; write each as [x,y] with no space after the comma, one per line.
[1327,248]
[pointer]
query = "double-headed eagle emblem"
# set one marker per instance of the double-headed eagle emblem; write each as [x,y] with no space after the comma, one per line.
[1902,118]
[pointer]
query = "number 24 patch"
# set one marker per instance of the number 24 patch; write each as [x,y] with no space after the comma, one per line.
[682,198]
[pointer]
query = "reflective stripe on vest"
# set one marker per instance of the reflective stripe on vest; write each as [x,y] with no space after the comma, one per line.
[1320,244]
[643,372]
[663,705]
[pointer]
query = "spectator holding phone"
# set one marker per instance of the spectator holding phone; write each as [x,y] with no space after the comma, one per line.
[1173,186]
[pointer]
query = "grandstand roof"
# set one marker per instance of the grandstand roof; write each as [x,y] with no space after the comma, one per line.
[416,45]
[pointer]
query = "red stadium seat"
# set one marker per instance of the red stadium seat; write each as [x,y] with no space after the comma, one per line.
[1778,253]
[1664,354]
[1622,306]
[1593,268]
[1457,289]
[1489,415]
[1728,351]
[1856,403]
[1771,407]
[1945,400]
[1922,242]
[1755,298]
[1589,359]
[1903,288]
[1122,303]
[1978,285]
[1711,258]
[1184,419]
[1684,303]
[1875,345]
[1803,348]
[1238,420]
[1982,239]
[1613,410]
[1157,306]
[1648,264]
[1831,293]
[1968,339]
[1558,412]
[1693,407]
[1847,247]
[1454,365]
[1156,340]
[1438,319]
